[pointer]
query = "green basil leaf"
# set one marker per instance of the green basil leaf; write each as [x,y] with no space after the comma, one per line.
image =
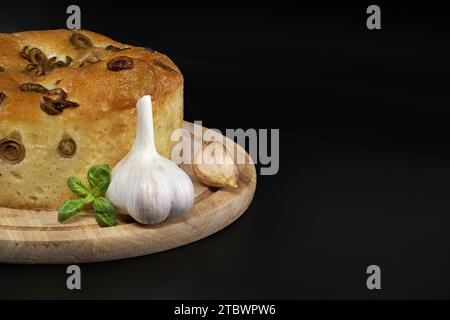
[95,191]
[89,199]
[69,209]
[105,220]
[77,187]
[103,205]
[99,176]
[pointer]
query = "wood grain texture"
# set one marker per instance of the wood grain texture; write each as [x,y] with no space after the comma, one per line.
[36,237]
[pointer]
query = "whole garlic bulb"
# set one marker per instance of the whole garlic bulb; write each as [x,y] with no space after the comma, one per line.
[145,185]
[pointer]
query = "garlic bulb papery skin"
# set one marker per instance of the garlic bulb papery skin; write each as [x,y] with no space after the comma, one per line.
[145,185]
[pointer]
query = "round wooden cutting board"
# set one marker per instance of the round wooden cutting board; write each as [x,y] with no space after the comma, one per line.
[36,237]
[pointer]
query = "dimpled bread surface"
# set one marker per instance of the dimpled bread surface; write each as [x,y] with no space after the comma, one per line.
[35,160]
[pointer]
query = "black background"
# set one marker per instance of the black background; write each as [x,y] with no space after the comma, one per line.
[364,150]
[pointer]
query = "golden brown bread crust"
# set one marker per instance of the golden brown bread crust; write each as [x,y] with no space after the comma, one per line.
[103,124]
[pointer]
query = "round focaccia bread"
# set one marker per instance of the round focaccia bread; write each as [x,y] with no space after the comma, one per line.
[67,102]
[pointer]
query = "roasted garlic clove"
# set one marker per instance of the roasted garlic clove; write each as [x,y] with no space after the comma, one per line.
[215,167]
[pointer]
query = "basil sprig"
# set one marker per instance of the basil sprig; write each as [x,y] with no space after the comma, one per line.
[99,178]
[105,220]
[69,209]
